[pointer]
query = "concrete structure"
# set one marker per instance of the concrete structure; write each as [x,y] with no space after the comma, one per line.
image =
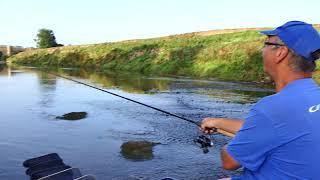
[10,50]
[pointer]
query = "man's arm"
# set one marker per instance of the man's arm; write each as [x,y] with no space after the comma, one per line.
[228,162]
[229,125]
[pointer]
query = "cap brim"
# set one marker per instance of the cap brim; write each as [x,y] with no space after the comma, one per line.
[269,32]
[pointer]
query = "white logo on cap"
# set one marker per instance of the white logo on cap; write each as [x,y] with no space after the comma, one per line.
[314,108]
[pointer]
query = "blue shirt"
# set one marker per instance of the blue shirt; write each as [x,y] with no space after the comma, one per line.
[280,138]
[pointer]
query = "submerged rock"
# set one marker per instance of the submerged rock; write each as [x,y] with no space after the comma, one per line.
[138,150]
[73,116]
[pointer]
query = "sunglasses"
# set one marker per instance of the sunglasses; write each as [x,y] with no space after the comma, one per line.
[272,44]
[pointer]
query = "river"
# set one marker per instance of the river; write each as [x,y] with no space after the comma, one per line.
[31,100]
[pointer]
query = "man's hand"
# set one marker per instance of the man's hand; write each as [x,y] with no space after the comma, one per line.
[225,126]
[209,125]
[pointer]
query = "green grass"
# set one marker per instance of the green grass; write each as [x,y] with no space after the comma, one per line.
[233,56]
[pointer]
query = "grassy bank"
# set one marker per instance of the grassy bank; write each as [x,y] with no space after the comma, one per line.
[232,56]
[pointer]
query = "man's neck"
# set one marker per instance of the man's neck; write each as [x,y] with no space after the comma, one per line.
[284,80]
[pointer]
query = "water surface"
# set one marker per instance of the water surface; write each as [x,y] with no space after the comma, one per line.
[31,100]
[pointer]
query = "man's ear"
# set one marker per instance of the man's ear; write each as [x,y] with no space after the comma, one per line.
[281,54]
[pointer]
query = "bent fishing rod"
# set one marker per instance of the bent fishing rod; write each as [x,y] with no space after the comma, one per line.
[143,104]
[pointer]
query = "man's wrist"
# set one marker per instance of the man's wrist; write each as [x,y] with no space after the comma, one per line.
[217,123]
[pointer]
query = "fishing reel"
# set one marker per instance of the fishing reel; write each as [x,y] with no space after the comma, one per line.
[204,142]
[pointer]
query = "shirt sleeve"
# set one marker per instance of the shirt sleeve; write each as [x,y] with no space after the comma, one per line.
[253,142]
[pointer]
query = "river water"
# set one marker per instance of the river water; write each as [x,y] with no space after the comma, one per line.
[31,100]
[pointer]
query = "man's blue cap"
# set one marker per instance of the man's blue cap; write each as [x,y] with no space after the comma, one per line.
[299,36]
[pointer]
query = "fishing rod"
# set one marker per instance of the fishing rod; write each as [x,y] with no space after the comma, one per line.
[103,90]
[202,140]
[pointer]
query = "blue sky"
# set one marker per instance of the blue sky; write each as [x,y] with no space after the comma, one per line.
[95,21]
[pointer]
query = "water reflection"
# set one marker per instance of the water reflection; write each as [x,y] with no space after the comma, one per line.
[1,67]
[132,83]
[235,96]
[137,150]
[47,88]
[47,80]
[10,70]
[135,83]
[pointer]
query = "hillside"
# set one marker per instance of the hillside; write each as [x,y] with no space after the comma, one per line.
[225,54]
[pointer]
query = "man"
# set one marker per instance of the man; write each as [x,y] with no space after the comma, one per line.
[280,138]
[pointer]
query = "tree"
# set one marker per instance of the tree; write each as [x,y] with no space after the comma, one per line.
[46,39]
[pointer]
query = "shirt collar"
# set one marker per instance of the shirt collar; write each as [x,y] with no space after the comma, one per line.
[298,83]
